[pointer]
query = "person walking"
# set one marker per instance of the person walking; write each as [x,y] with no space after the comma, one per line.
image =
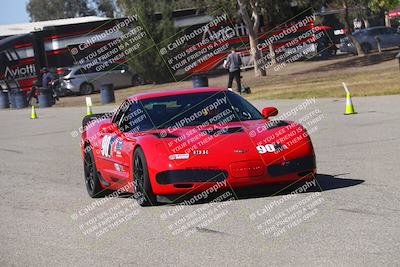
[233,63]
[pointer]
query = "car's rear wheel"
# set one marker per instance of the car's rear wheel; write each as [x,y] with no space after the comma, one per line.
[86,89]
[141,180]
[92,182]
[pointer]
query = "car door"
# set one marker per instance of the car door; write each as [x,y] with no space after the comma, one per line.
[122,147]
[393,37]
[386,37]
[114,155]
[100,76]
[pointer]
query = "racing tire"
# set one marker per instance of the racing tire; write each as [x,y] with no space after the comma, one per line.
[141,180]
[92,181]
[86,89]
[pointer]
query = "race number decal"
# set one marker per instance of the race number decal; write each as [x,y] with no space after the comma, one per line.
[106,145]
[266,148]
[271,148]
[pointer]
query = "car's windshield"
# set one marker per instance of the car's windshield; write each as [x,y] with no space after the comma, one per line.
[188,110]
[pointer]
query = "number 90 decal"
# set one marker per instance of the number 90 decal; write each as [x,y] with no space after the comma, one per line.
[271,148]
[266,148]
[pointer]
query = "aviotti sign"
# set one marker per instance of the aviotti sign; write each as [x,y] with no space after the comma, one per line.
[21,72]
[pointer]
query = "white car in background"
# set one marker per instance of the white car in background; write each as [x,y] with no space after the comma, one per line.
[85,79]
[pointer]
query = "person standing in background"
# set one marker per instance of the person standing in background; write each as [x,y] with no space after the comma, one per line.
[47,77]
[48,83]
[233,63]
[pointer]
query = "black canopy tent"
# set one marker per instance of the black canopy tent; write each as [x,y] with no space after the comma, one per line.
[9,57]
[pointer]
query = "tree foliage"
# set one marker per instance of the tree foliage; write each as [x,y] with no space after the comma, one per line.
[106,8]
[148,63]
[40,10]
[380,6]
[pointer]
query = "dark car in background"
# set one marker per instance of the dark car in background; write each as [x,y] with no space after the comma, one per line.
[86,79]
[389,37]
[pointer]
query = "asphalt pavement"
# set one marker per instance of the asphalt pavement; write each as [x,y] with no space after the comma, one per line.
[350,218]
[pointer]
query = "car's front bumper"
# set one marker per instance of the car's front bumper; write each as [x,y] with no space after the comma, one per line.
[347,48]
[236,175]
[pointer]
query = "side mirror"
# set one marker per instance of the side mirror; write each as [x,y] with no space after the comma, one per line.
[269,112]
[108,128]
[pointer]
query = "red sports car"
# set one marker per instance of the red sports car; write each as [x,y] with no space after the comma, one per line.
[183,141]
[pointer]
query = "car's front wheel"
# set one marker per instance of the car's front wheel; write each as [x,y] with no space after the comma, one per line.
[141,180]
[92,182]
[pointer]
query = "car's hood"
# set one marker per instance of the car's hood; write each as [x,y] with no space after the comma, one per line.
[242,134]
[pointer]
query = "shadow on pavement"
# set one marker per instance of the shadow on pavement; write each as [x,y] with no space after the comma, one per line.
[324,182]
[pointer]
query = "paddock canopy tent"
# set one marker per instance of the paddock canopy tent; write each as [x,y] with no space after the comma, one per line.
[13,40]
[23,28]
[9,59]
[26,48]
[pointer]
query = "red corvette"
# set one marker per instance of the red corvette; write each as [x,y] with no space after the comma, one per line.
[177,142]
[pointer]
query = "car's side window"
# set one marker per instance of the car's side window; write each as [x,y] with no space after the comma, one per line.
[123,124]
[120,112]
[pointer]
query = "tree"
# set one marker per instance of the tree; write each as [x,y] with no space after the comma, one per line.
[252,25]
[250,11]
[380,6]
[105,8]
[40,10]
[347,6]
[77,8]
[148,62]
[359,48]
